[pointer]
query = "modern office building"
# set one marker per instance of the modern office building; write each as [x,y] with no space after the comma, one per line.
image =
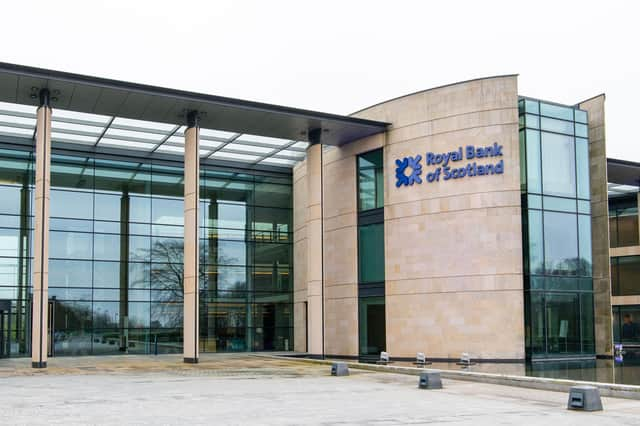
[464,218]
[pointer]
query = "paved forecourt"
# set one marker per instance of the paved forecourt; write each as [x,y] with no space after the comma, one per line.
[241,389]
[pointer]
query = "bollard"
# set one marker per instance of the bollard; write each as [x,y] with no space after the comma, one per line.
[155,344]
[585,398]
[465,360]
[339,369]
[430,380]
[421,360]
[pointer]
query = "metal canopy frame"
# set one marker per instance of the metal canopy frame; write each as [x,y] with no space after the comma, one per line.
[103,113]
[96,131]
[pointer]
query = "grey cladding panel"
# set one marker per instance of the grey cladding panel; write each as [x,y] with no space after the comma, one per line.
[8,87]
[84,98]
[134,105]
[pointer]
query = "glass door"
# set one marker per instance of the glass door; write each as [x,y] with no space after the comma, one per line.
[372,328]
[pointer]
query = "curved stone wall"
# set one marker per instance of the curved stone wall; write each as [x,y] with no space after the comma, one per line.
[453,247]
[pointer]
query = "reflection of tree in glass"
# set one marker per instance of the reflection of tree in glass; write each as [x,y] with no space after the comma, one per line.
[167,274]
[572,266]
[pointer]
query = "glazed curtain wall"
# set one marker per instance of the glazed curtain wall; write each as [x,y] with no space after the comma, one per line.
[554,150]
[116,254]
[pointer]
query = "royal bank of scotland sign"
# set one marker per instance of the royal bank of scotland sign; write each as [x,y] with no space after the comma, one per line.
[446,165]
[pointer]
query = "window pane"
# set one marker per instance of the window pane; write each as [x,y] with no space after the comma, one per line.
[10,196]
[584,235]
[587,323]
[106,247]
[629,324]
[580,116]
[560,243]
[560,204]
[532,121]
[534,201]
[523,160]
[70,245]
[69,273]
[108,207]
[370,180]
[273,195]
[71,204]
[584,207]
[628,276]
[535,331]
[534,162]
[531,106]
[556,111]
[582,130]
[106,274]
[71,225]
[371,253]
[559,126]
[168,211]
[558,165]
[563,323]
[627,228]
[535,243]
[623,221]
[582,167]
[140,209]
[223,252]
[269,254]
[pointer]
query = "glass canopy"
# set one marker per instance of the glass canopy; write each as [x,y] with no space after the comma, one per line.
[91,130]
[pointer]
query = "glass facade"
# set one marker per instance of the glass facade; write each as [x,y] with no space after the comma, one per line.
[554,158]
[116,256]
[371,300]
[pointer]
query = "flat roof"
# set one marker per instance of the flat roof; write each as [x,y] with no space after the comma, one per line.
[99,112]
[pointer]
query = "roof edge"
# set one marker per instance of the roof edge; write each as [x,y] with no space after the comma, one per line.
[623,162]
[176,93]
[433,88]
[593,97]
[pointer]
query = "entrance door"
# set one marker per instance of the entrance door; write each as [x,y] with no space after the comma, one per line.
[5,328]
[372,328]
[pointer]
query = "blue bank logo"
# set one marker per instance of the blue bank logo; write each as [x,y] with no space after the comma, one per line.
[412,163]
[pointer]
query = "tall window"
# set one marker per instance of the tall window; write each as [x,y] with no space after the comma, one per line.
[625,276]
[623,221]
[372,335]
[370,181]
[554,151]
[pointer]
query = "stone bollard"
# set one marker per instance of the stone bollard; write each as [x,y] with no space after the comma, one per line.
[430,380]
[339,369]
[585,398]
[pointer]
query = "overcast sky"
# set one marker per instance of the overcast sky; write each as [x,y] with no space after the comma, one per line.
[342,56]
